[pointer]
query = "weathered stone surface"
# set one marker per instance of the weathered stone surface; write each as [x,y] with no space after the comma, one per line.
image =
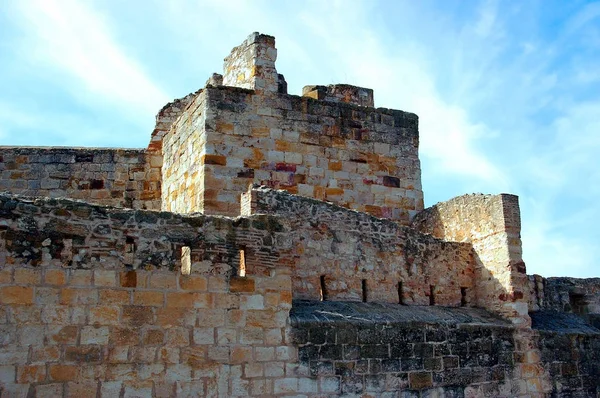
[337,285]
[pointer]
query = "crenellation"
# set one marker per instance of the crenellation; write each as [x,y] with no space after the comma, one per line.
[269,244]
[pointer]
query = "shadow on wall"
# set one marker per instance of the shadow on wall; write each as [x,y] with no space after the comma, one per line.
[491,224]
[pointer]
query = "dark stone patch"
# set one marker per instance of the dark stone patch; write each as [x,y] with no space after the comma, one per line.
[393,182]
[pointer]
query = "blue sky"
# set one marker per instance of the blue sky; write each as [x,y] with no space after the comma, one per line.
[508,92]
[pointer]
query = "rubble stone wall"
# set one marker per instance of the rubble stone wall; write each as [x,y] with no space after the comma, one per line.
[574,295]
[113,177]
[348,255]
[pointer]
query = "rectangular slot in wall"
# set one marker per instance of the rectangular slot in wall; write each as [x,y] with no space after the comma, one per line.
[186,260]
[364,290]
[322,288]
[242,266]
[578,303]
[400,294]
[463,296]
[431,295]
[129,250]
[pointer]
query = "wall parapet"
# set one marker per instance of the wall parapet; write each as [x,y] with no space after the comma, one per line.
[343,254]
[107,176]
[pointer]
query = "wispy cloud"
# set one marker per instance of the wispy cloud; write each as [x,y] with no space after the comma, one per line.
[72,38]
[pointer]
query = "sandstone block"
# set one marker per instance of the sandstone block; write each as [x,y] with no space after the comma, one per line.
[27,276]
[94,335]
[16,295]
[31,374]
[59,372]
[149,298]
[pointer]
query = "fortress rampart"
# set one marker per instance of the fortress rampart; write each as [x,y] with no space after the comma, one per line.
[266,244]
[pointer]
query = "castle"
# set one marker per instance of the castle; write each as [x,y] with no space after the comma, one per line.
[267,244]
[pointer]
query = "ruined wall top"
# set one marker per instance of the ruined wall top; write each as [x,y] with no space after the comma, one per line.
[341,93]
[251,65]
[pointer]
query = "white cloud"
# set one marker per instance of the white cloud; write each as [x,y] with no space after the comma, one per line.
[72,38]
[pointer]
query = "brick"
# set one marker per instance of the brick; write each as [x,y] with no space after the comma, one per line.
[55,277]
[7,374]
[63,372]
[149,298]
[31,374]
[214,160]
[49,390]
[420,380]
[241,354]
[204,336]
[112,296]
[16,295]
[110,389]
[31,335]
[274,369]
[153,337]
[45,354]
[83,389]
[163,281]
[94,335]
[137,315]
[26,315]
[80,277]
[128,279]
[27,276]
[104,315]
[178,336]
[6,275]
[188,300]
[286,385]
[173,316]
[78,296]
[47,295]
[118,354]
[83,354]
[193,282]
[241,285]
[124,336]
[105,278]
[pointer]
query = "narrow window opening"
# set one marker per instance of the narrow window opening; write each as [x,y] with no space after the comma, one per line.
[323,289]
[463,296]
[242,267]
[364,290]
[129,250]
[186,261]
[578,303]
[400,294]
[431,295]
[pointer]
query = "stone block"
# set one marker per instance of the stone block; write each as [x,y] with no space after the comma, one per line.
[16,295]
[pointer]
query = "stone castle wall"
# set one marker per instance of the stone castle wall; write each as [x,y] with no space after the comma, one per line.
[348,255]
[339,284]
[98,301]
[93,301]
[112,177]
[491,224]
[184,157]
[335,150]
